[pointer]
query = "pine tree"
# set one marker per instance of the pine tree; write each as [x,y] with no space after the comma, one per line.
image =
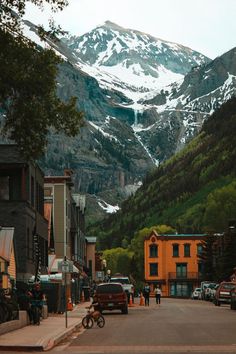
[207,258]
[228,258]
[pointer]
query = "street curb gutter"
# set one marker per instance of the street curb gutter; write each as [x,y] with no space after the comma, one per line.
[19,348]
[43,345]
[57,339]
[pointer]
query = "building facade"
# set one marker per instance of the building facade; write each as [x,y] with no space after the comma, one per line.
[21,207]
[57,192]
[172,262]
[90,256]
[66,225]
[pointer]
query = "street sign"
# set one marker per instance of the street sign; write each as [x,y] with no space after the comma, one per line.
[99,275]
[65,267]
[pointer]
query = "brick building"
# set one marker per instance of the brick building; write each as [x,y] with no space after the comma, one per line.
[172,262]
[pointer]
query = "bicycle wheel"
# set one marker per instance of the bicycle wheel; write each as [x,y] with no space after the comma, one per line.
[87,322]
[101,321]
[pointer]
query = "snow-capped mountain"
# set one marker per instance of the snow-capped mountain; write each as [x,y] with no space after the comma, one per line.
[143,98]
[138,61]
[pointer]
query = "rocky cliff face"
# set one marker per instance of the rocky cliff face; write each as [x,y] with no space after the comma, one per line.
[143,98]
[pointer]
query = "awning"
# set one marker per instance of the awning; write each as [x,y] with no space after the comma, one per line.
[53,264]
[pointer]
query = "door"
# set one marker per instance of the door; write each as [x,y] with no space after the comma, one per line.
[181,270]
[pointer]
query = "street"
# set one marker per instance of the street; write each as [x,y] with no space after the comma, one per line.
[177,326]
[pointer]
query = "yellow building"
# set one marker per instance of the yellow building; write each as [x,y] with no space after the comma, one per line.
[173,263]
[7,257]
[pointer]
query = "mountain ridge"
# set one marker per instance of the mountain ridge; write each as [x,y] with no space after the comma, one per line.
[185,191]
[156,122]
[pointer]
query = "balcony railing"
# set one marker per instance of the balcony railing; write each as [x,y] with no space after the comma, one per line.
[184,275]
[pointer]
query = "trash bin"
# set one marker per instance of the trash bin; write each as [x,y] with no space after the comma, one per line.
[233,299]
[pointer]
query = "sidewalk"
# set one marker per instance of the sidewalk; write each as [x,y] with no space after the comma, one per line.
[44,337]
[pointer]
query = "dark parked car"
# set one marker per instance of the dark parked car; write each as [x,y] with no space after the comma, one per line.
[111,296]
[223,293]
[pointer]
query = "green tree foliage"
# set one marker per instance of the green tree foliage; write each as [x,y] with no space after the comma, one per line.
[207,258]
[12,11]
[178,192]
[28,100]
[118,260]
[227,259]
[220,208]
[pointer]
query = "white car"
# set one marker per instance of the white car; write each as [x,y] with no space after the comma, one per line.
[196,294]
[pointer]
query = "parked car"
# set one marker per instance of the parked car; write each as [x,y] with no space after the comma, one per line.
[196,294]
[111,296]
[213,292]
[208,291]
[127,285]
[223,293]
[204,286]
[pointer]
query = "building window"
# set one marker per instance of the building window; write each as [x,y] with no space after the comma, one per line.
[153,269]
[90,265]
[10,185]
[175,250]
[32,192]
[4,188]
[200,268]
[187,250]
[181,270]
[153,251]
[199,249]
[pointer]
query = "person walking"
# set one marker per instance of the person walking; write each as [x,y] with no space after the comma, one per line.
[24,303]
[158,294]
[36,299]
[146,294]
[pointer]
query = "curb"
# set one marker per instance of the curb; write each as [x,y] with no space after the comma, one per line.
[19,348]
[45,345]
[57,339]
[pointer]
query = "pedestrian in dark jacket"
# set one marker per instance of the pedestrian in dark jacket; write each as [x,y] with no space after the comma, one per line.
[146,294]
[24,303]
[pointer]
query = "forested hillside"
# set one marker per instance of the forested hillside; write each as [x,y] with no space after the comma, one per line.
[195,191]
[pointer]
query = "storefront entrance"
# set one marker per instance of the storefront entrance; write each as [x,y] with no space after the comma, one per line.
[180,289]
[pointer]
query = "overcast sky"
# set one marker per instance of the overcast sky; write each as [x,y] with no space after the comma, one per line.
[208,26]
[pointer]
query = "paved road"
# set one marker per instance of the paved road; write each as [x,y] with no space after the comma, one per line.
[177,326]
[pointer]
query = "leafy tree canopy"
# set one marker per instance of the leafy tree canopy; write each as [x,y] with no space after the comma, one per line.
[28,100]
[220,208]
[118,260]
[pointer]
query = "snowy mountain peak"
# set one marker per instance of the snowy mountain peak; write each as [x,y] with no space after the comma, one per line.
[131,61]
[112,25]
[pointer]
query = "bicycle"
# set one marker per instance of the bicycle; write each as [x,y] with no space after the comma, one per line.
[91,317]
